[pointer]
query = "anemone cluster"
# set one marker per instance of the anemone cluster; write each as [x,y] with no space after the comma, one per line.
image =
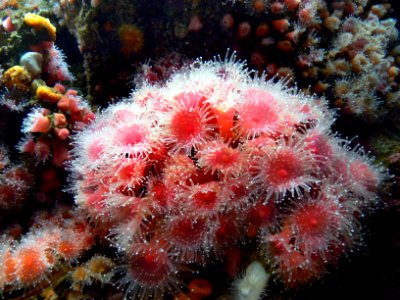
[180,173]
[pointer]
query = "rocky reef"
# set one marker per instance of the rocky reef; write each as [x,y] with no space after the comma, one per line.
[245,149]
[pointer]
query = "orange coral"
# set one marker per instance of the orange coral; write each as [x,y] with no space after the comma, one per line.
[40,23]
[48,94]
[132,39]
[31,264]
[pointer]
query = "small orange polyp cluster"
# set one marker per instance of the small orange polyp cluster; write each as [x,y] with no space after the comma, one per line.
[131,38]
[52,125]
[40,23]
[98,268]
[27,262]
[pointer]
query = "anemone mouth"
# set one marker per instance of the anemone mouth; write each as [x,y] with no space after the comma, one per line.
[149,267]
[220,157]
[186,126]
[258,113]
[187,231]
[131,135]
[132,140]
[188,130]
[282,169]
[189,124]
[204,199]
[150,272]
[316,225]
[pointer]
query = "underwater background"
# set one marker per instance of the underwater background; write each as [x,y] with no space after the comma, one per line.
[102,194]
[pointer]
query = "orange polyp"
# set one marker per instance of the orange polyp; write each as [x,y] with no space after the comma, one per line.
[200,287]
[281,25]
[182,296]
[262,30]
[205,200]
[224,156]
[292,4]
[67,249]
[259,6]
[225,121]
[9,267]
[31,265]
[80,274]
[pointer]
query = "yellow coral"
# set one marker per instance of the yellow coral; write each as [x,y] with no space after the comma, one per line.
[17,76]
[40,23]
[80,274]
[131,37]
[99,266]
[47,94]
